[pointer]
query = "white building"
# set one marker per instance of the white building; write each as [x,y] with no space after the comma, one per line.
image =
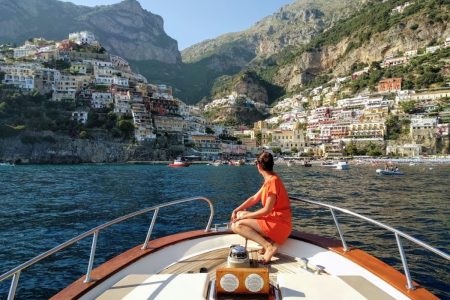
[80,116]
[122,103]
[104,80]
[24,51]
[432,49]
[411,53]
[447,42]
[82,38]
[101,100]
[120,81]
[64,95]
[22,76]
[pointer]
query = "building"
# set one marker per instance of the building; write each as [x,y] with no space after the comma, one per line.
[432,49]
[83,38]
[101,100]
[169,124]
[408,150]
[411,53]
[394,61]
[367,131]
[26,76]
[25,51]
[207,146]
[142,123]
[64,95]
[390,85]
[122,102]
[447,42]
[80,116]
[422,128]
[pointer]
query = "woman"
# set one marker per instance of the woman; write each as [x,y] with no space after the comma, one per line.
[270,225]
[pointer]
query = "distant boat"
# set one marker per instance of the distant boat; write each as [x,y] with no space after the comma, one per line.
[179,163]
[330,164]
[389,172]
[342,165]
[307,164]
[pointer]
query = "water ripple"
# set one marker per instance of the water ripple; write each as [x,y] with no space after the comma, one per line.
[43,206]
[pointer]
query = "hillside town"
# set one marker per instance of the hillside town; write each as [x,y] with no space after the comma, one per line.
[316,122]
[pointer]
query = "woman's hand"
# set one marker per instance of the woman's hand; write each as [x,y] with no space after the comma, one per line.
[240,215]
[234,216]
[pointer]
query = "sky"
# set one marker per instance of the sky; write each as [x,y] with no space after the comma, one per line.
[192,21]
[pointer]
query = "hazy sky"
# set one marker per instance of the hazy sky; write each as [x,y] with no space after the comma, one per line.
[192,21]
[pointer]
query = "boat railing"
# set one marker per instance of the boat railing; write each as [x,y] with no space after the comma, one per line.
[15,273]
[398,234]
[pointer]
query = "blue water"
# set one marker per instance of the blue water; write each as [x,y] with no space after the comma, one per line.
[43,206]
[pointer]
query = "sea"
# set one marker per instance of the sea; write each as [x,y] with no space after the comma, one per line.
[43,206]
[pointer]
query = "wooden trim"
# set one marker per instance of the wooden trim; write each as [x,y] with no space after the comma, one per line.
[368,262]
[365,260]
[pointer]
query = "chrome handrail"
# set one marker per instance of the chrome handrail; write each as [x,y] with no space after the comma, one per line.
[396,232]
[15,272]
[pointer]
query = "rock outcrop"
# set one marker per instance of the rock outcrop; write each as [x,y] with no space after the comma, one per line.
[124,29]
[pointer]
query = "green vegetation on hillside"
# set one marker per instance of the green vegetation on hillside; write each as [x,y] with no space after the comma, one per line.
[21,112]
[425,71]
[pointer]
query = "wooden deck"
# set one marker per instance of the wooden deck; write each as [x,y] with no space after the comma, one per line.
[218,258]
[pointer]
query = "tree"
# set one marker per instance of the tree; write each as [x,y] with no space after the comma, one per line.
[294,150]
[408,107]
[351,149]
[127,128]
[276,150]
[209,130]
[258,136]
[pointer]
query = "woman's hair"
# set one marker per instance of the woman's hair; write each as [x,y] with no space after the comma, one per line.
[265,159]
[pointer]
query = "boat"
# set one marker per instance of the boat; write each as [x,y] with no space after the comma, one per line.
[389,172]
[330,164]
[307,164]
[214,263]
[342,165]
[7,164]
[179,163]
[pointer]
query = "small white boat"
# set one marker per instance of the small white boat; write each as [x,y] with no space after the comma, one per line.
[389,172]
[342,165]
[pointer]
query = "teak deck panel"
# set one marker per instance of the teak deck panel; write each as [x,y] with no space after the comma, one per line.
[212,260]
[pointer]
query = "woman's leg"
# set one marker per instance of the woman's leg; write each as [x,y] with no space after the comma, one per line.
[249,228]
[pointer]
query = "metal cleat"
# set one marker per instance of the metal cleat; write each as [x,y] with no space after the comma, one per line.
[319,269]
[305,263]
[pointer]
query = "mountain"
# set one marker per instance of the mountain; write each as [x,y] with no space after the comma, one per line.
[378,30]
[292,26]
[124,29]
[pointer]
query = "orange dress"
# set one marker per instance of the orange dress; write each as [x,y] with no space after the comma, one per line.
[278,224]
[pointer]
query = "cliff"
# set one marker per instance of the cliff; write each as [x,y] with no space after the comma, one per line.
[125,28]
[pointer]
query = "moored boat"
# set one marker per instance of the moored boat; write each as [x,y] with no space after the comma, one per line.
[201,265]
[179,163]
[342,165]
[389,172]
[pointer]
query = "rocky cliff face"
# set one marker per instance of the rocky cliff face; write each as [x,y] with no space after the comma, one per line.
[65,150]
[416,31]
[293,25]
[125,29]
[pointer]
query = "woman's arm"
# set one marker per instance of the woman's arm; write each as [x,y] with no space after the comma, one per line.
[264,211]
[246,204]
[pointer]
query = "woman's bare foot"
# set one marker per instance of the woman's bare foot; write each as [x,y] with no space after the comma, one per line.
[270,251]
[261,251]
